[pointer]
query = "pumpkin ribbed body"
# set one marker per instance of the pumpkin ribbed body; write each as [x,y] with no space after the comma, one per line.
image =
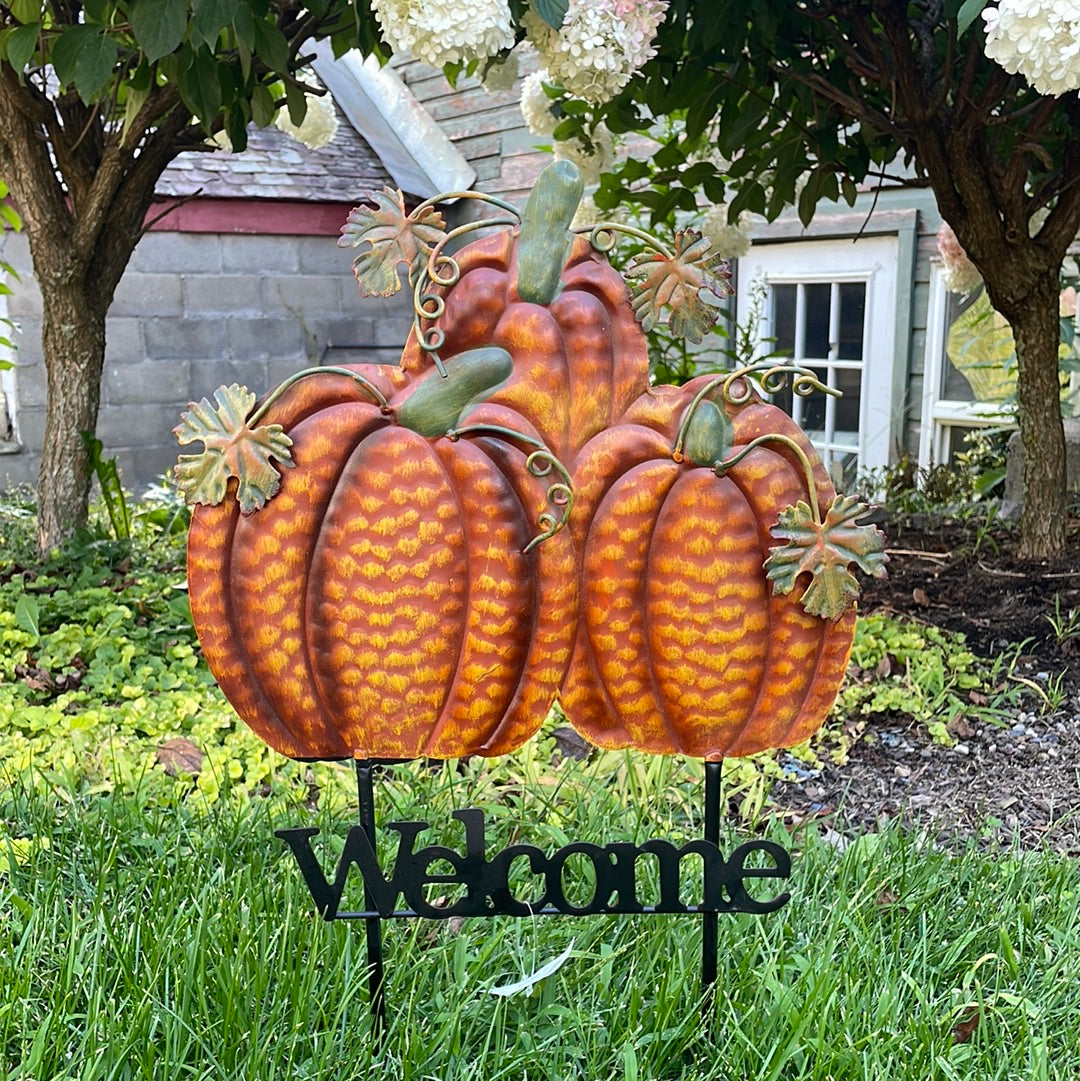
[578,361]
[382,605]
[682,646]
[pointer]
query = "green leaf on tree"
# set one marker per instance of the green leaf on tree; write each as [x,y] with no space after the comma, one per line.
[159,26]
[826,551]
[677,283]
[94,66]
[553,12]
[231,449]
[394,237]
[26,11]
[968,13]
[21,45]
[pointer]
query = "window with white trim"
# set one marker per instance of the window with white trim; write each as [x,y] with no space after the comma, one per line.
[830,306]
[969,374]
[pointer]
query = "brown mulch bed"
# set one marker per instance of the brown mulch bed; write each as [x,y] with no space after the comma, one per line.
[1013,779]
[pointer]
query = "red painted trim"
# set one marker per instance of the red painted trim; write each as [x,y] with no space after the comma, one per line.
[268,217]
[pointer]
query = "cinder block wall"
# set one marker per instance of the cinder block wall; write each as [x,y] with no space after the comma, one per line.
[194,311]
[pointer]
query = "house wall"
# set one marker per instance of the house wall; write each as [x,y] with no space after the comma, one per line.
[194,311]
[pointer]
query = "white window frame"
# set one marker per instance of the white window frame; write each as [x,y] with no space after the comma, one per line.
[875,260]
[939,415]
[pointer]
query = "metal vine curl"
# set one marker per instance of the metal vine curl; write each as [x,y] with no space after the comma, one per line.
[602,237]
[540,463]
[429,307]
[325,369]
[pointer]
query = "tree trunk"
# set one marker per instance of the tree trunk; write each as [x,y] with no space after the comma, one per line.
[73,344]
[1036,332]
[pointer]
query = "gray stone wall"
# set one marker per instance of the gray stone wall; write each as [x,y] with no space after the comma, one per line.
[193,311]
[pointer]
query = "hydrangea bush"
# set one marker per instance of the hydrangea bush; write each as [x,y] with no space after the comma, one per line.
[1039,39]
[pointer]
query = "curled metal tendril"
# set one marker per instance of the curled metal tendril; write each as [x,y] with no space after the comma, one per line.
[603,236]
[773,378]
[540,463]
[430,306]
[720,468]
[442,270]
[560,494]
[438,259]
[369,387]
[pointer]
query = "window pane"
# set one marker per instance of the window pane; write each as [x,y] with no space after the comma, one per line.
[852,315]
[813,417]
[817,321]
[849,382]
[784,319]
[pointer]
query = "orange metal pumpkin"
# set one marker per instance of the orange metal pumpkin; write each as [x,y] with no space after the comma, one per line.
[386,602]
[682,646]
[558,307]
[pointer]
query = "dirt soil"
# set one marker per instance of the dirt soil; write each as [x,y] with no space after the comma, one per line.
[1016,780]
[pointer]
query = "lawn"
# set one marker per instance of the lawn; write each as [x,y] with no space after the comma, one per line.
[152,926]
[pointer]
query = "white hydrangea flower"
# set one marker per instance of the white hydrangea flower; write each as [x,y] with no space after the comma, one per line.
[729,239]
[600,45]
[501,74]
[319,126]
[1039,39]
[592,162]
[536,105]
[445,31]
[961,275]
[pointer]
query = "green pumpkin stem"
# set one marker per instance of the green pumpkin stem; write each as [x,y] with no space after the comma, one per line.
[544,245]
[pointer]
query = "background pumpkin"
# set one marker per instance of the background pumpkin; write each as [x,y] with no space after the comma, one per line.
[579,356]
[381,604]
[682,646]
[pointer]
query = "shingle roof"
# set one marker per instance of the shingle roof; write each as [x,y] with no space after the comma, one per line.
[276,166]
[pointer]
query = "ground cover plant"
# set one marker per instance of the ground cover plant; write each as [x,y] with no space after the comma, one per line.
[151,924]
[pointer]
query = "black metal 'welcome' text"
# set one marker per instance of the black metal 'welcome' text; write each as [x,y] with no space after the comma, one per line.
[486,882]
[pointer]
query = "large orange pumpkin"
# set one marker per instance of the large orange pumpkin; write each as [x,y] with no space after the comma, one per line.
[682,644]
[383,604]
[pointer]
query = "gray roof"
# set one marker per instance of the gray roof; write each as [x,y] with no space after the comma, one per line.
[276,166]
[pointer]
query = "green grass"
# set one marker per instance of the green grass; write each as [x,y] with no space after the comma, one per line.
[143,940]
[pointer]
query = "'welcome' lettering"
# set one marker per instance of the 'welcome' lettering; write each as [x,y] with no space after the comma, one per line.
[487,882]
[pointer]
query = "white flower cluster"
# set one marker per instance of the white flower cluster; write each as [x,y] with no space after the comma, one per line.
[1039,39]
[445,31]
[729,239]
[592,161]
[961,275]
[599,46]
[319,126]
[501,74]
[536,105]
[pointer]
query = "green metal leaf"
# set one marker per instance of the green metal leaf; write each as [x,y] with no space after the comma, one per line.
[677,283]
[231,449]
[159,25]
[394,237]
[826,551]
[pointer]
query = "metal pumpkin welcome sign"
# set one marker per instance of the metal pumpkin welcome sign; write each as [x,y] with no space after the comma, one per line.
[389,562]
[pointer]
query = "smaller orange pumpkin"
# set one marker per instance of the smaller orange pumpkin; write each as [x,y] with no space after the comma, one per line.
[682,644]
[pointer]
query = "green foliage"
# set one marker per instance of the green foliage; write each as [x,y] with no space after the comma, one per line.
[901,669]
[10,219]
[99,667]
[221,58]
